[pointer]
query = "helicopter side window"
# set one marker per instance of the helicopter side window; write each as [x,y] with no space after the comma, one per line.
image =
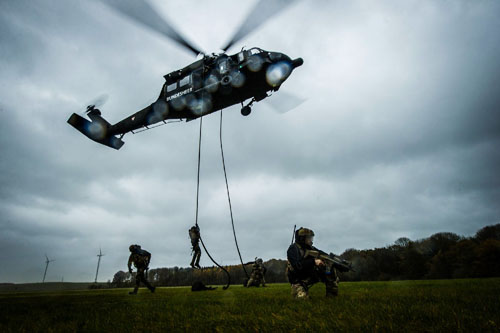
[185,81]
[171,87]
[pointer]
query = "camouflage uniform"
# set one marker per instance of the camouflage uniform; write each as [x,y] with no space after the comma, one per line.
[194,234]
[140,258]
[257,275]
[303,272]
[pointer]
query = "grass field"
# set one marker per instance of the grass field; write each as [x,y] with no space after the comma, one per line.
[416,306]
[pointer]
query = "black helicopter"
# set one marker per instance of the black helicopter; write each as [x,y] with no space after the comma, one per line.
[209,84]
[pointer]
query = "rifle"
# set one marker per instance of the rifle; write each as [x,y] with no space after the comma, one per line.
[332,260]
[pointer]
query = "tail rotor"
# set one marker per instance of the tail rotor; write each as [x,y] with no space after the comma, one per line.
[97,128]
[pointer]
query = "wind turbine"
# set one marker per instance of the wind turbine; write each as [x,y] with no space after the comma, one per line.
[98,263]
[46,266]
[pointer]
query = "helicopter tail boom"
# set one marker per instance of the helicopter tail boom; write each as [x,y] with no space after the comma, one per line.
[96,130]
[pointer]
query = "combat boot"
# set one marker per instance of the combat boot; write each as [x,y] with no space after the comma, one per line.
[299,292]
[134,292]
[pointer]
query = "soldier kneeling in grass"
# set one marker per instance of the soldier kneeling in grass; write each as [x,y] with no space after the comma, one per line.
[257,275]
[304,270]
[140,258]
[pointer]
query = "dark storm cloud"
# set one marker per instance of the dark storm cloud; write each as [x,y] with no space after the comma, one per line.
[398,135]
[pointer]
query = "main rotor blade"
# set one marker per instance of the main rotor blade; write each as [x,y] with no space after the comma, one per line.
[262,11]
[283,101]
[142,12]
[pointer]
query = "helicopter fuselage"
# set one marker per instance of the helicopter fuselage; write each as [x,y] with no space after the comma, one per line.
[207,85]
[213,83]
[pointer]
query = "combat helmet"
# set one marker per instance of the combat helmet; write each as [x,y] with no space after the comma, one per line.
[134,247]
[302,233]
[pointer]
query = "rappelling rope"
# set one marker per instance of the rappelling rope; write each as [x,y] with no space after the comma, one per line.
[228,196]
[197,197]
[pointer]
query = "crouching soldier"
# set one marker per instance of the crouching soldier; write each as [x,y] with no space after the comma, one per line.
[194,235]
[257,275]
[140,258]
[303,270]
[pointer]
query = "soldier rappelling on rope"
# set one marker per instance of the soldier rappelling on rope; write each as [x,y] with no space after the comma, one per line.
[194,235]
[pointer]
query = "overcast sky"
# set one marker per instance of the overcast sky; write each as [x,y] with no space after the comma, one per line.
[399,134]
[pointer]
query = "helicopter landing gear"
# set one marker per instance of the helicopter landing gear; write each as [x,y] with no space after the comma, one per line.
[245,110]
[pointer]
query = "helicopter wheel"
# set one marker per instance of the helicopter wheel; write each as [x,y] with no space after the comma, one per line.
[245,111]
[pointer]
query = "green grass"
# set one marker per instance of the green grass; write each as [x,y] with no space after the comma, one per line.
[417,306]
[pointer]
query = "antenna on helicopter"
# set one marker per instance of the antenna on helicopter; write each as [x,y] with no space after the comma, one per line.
[47,261]
[98,263]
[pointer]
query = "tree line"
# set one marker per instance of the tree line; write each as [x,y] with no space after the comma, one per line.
[444,255]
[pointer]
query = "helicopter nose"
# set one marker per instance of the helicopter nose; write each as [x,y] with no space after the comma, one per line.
[297,62]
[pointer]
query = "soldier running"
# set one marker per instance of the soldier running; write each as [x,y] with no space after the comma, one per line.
[257,275]
[304,271]
[140,258]
[194,234]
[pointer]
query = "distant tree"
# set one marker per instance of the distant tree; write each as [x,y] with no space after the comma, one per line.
[388,262]
[413,263]
[442,241]
[487,259]
[402,241]
[425,246]
[458,261]
[122,279]
[349,254]
[440,266]
[488,232]
[463,256]
[365,266]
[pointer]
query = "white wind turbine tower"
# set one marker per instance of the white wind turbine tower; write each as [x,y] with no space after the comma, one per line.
[46,266]
[98,263]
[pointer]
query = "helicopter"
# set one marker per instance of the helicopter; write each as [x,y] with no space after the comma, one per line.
[212,83]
